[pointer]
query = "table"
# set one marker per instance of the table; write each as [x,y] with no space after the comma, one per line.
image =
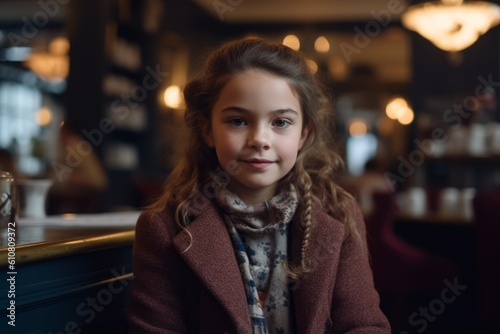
[69,275]
[435,218]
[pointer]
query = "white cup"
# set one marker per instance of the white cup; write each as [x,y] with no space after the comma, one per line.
[477,140]
[449,201]
[33,196]
[494,138]
[459,138]
[466,202]
[415,201]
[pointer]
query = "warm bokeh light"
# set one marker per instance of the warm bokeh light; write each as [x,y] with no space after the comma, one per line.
[43,116]
[338,68]
[385,126]
[313,67]
[59,46]
[358,128]
[322,44]
[48,66]
[396,107]
[407,117]
[173,97]
[292,42]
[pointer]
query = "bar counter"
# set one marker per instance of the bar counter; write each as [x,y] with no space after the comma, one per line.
[70,274]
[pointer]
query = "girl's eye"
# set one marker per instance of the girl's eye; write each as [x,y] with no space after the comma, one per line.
[281,123]
[237,122]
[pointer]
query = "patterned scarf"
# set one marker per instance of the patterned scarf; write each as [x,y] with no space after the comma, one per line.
[259,235]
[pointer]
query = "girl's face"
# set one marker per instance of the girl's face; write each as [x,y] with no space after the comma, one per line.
[256,130]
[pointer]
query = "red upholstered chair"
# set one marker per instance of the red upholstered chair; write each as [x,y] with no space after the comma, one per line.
[400,269]
[487,225]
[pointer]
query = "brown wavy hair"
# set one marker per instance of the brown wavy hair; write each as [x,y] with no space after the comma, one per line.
[318,163]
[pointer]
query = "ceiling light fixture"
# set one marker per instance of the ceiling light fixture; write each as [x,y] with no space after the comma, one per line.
[452,25]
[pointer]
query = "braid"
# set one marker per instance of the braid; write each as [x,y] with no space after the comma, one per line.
[295,271]
[306,222]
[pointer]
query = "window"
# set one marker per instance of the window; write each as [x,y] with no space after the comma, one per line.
[18,128]
[359,150]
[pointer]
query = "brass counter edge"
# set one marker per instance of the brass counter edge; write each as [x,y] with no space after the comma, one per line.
[54,249]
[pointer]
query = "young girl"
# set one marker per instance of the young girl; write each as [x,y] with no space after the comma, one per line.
[252,233]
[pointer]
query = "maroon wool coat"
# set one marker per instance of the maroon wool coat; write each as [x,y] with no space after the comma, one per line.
[191,283]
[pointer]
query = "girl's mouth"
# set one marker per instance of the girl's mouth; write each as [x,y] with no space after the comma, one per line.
[257,163]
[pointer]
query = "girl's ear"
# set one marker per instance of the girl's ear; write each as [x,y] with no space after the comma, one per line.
[207,134]
[305,134]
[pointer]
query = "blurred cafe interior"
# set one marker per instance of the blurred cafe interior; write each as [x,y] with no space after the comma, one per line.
[91,102]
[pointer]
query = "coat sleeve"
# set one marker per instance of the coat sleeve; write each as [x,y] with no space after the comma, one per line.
[356,308]
[157,292]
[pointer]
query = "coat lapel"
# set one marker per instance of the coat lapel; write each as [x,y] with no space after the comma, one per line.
[312,294]
[210,255]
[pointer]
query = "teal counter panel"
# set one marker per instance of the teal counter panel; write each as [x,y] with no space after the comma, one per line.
[85,290]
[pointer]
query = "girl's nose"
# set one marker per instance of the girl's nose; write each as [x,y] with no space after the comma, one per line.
[259,139]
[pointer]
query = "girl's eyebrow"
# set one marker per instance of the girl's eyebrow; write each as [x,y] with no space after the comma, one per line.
[277,111]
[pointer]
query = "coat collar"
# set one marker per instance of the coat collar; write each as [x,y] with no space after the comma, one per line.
[208,251]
